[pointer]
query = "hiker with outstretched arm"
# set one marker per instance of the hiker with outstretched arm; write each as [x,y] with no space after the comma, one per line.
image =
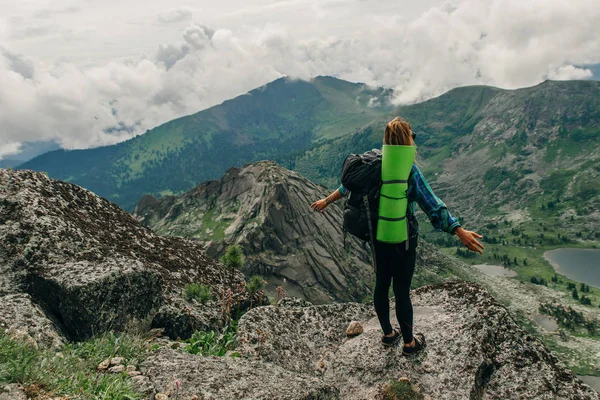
[394,261]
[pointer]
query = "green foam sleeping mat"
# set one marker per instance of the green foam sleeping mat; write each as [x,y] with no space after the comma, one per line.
[396,163]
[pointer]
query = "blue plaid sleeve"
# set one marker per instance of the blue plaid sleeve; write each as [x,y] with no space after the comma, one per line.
[432,206]
[343,191]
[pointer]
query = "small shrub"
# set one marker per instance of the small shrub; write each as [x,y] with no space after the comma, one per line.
[233,259]
[197,291]
[212,343]
[255,284]
[400,390]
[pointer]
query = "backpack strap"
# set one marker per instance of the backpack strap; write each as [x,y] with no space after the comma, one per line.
[371,235]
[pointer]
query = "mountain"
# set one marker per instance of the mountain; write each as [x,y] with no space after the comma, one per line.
[9,163]
[490,152]
[73,265]
[27,151]
[270,122]
[265,209]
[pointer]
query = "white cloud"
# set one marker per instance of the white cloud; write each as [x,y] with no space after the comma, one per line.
[569,72]
[508,43]
[174,15]
[9,149]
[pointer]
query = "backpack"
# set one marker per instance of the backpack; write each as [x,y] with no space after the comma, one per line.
[361,175]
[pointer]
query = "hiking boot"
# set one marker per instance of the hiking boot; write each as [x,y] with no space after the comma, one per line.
[419,345]
[391,340]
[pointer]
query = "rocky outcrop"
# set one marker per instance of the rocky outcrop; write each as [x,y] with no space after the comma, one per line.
[216,378]
[266,209]
[91,267]
[474,351]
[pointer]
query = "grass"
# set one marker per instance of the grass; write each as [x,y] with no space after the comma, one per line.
[211,343]
[197,291]
[71,371]
[400,390]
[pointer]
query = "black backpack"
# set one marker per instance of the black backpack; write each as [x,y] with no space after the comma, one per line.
[361,175]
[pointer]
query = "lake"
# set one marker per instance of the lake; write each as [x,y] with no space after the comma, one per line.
[581,265]
[593,381]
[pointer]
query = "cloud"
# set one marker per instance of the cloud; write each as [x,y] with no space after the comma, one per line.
[9,149]
[569,72]
[508,43]
[48,13]
[18,63]
[175,15]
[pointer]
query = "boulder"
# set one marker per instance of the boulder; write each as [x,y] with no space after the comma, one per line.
[221,378]
[19,313]
[474,348]
[92,267]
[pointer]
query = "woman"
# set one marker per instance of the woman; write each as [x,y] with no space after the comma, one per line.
[395,261]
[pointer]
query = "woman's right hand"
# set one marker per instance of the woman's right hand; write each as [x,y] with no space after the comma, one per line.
[319,205]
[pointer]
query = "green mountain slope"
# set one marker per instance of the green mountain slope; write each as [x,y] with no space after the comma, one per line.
[270,122]
[490,152]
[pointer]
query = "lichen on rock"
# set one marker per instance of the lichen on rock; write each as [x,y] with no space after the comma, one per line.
[91,266]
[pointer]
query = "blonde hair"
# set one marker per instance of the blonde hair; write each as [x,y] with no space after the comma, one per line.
[398,132]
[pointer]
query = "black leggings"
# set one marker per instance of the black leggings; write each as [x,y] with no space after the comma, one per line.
[394,261]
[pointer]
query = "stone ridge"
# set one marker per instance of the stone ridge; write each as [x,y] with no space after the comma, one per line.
[297,350]
[91,266]
[474,349]
[266,209]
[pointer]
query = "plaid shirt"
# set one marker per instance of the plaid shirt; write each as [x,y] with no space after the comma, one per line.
[420,192]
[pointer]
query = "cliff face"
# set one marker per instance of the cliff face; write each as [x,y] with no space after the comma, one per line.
[73,264]
[299,351]
[266,209]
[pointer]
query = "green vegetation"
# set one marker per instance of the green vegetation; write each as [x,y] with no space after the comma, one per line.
[212,343]
[400,390]
[255,284]
[72,371]
[568,318]
[233,259]
[197,291]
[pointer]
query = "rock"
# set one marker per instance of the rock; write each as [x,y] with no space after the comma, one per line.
[91,267]
[117,361]
[142,384]
[12,391]
[117,369]
[21,336]
[310,331]
[506,362]
[225,378]
[354,329]
[133,373]
[18,313]
[264,208]
[104,365]
[130,368]
[293,302]
[161,396]
[320,366]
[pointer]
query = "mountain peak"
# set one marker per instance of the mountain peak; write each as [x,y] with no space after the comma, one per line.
[266,209]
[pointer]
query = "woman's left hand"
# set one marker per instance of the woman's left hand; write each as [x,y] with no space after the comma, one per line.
[468,239]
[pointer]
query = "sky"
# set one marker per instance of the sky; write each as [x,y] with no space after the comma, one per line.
[91,73]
